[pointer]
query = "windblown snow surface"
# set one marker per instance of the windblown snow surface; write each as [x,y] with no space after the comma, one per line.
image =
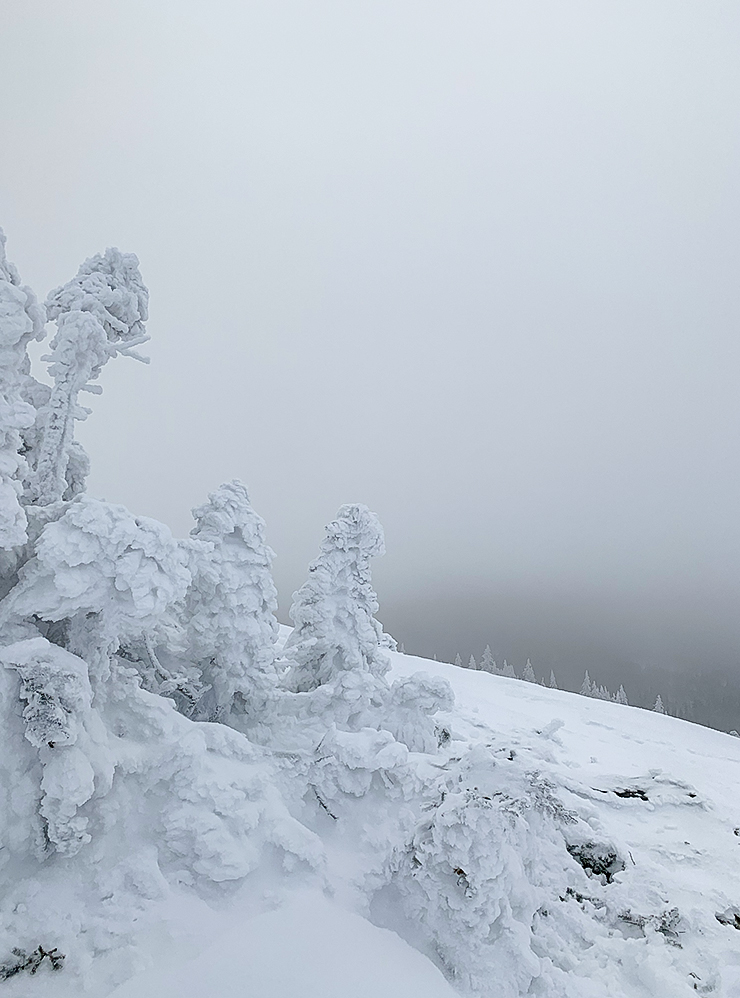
[639,898]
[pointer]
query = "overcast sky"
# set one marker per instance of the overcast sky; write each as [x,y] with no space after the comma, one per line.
[474,264]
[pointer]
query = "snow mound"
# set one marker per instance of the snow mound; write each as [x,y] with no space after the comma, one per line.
[308,948]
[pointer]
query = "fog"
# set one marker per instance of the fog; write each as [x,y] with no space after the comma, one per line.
[473,264]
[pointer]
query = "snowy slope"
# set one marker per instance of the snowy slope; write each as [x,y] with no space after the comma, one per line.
[681,845]
[661,793]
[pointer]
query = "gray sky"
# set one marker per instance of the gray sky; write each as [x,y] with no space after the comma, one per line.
[475,264]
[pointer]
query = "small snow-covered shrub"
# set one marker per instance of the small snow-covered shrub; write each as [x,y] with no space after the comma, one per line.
[30,962]
[481,864]
[597,859]
[410,708]
[66,732]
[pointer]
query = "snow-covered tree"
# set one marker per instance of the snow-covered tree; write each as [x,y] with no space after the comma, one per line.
[621,697]
[458,661]
[472,664]
[487,663]
[99,314]
[229,611]
[658,705]
[528,675]
[21,320]
[587,686]
[335,629]
[508,671]
[553,681]
[102,574]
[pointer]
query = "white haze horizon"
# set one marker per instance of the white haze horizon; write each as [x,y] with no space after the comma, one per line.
[475,266]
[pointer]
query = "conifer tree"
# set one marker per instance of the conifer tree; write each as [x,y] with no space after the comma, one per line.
[486,663]
[508,671]
[528,676]
[333,612]
[658,705]
[553,681]
[621,697]
[472,664]
[587,687]
[458,661]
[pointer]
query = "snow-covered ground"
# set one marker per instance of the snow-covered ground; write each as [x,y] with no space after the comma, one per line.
[658,794]
[680,845]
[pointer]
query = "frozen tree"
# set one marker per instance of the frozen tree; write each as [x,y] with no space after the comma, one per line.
[600,692]
[528,675]
[458,661]
[486,663]
[621,697]
[231,603]
[333,612]
[21,320]
[103,574]
[338,705]
[508,671]
[472,664]
[99,314]
[658,705]
[553,681]
[587,687]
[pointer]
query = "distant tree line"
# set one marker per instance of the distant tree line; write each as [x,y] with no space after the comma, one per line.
[589,688]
